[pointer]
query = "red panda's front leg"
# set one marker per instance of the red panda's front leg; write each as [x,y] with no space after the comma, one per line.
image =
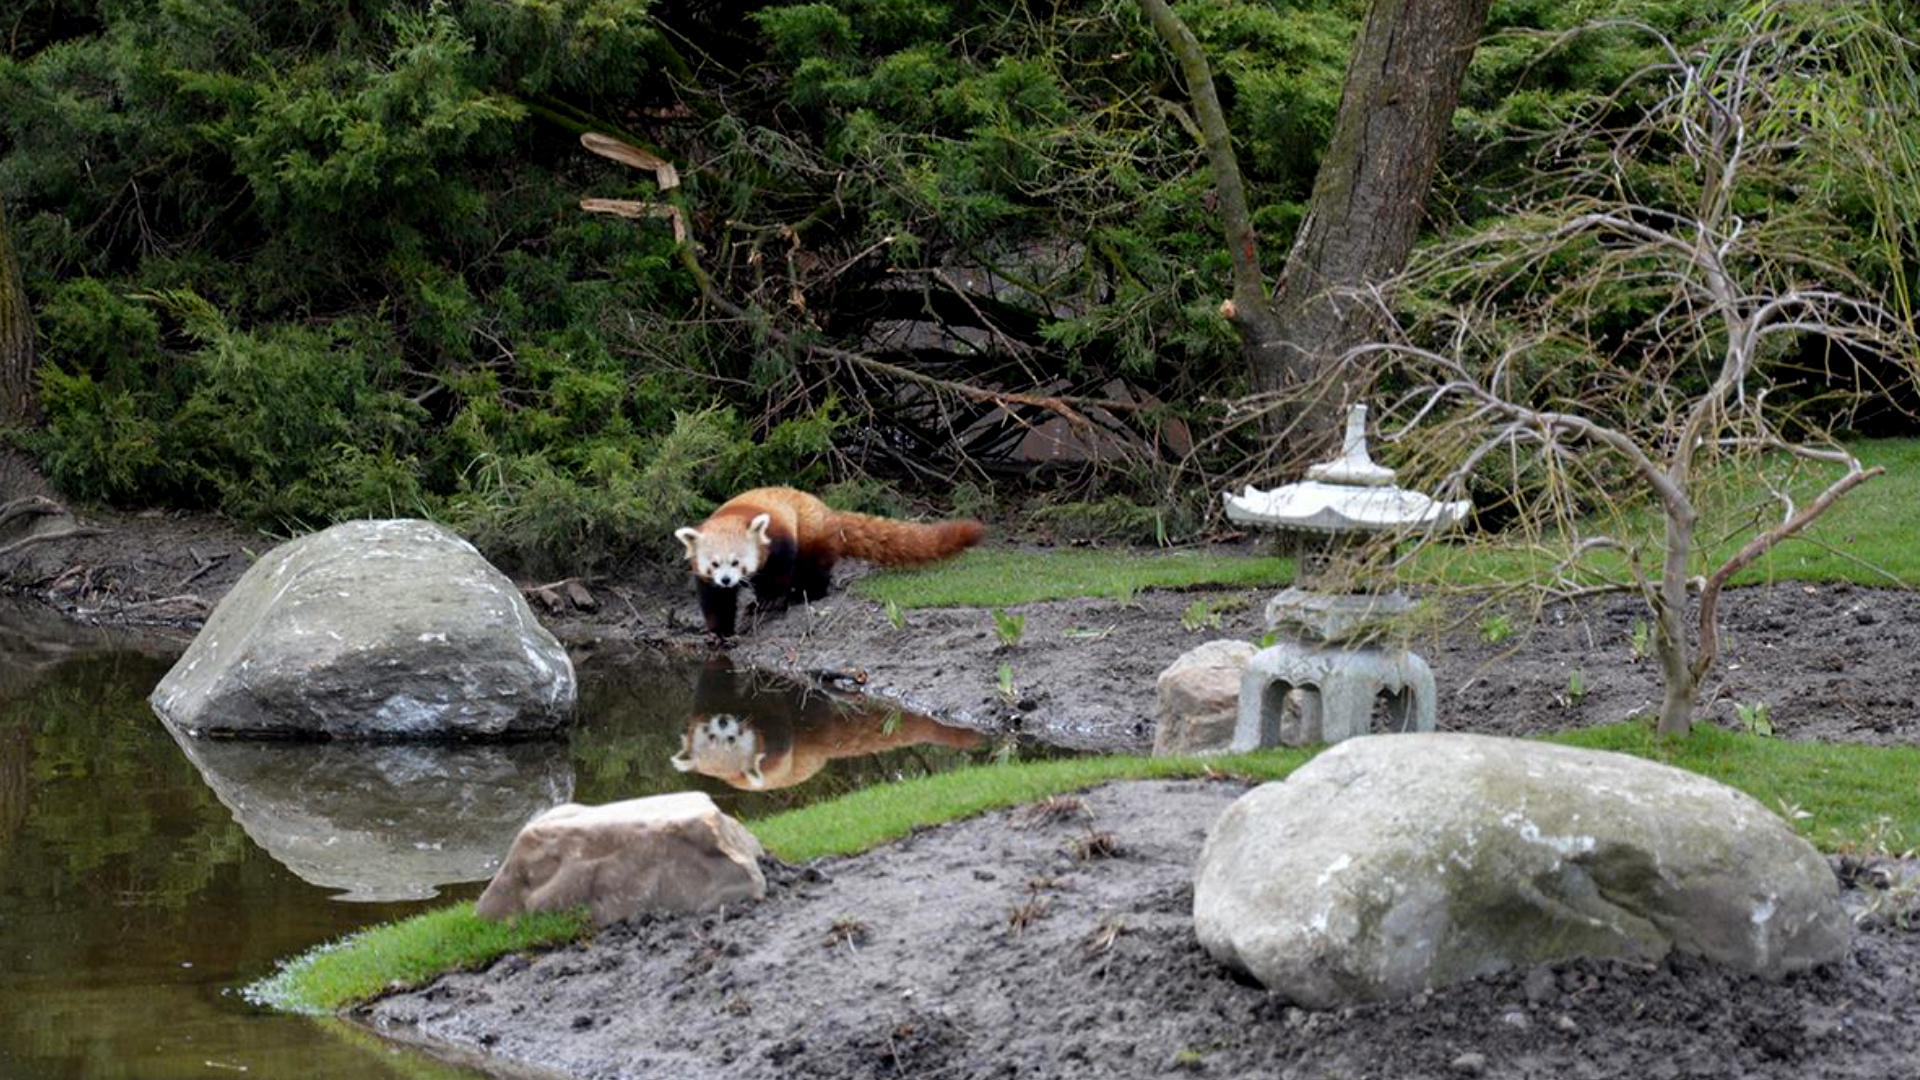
[717,605]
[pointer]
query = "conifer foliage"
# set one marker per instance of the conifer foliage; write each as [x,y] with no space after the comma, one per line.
[298,260]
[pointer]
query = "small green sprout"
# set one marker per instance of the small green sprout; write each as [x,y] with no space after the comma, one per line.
[1008,627]
[1199,616]
[1757,718]
[1639,638]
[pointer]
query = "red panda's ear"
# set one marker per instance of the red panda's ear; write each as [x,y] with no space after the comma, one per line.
[683,761]
[691,537]
[758,526]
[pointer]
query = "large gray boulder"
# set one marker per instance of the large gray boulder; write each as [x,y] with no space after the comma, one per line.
[1393,864]
[371,629]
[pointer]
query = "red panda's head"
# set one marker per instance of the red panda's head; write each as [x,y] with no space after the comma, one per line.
[726,747]
[725,553]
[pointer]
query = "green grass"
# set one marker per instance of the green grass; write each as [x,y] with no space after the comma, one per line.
[877,814]
[1874,524]
[408,952]
[1870,537]
[414,950]
[1000,577]
[1838,796]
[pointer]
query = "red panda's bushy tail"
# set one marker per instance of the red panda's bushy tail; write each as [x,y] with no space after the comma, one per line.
[902,543]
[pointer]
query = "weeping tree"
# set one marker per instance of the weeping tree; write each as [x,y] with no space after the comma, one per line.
[1650,326]
[1396,109]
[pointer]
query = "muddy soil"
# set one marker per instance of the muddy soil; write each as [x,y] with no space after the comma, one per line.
[1830,663]
[987,948]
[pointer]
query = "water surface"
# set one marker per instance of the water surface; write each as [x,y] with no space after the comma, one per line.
[144,880]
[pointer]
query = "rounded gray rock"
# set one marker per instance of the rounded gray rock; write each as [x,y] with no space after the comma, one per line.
[371,629]
[1394,864]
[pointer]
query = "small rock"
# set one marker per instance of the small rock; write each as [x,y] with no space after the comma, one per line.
[578,595]
[664,853]
[1469,1064]
[1540,985]
[1565,1023]
[1516,1019]
[1199,698]
[1865,617]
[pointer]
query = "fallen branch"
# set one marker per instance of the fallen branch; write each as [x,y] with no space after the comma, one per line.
[28,504]
[38,538]
[628,154]
[628,208]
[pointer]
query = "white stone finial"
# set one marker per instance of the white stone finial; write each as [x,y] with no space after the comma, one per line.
[1354,465]
[1355,444]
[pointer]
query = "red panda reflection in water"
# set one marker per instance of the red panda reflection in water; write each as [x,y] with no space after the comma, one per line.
[757,741]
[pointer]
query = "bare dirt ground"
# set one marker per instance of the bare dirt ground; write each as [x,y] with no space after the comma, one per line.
[1830,663]
[987,948]
[984,948]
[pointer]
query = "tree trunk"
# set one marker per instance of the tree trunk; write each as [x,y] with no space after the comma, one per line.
[1669,632]
[1367,207]
[18,402]
[1395,112]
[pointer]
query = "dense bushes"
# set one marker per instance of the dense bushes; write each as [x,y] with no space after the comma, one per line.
[300,260]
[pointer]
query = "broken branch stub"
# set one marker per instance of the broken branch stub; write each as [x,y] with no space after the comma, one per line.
[629,208]
[625,153]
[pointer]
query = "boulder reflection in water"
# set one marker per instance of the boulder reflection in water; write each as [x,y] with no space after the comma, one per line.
[383,821]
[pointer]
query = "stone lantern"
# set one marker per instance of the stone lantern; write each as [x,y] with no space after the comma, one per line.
[1319,683]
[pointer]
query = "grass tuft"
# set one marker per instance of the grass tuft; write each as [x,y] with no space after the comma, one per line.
[875,815]
[404,954]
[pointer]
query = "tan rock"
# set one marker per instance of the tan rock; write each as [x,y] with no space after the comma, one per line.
[1199,698]
[667,853]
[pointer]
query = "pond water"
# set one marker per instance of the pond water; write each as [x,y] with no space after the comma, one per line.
[144,880]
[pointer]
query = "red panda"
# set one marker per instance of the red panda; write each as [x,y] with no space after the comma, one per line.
[785,542]
[756,737]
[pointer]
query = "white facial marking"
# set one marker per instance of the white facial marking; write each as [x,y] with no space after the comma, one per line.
[725,561]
